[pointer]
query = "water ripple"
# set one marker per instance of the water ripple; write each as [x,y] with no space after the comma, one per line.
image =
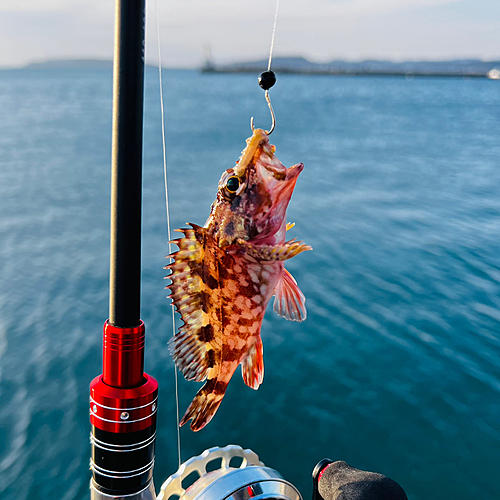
[396,368]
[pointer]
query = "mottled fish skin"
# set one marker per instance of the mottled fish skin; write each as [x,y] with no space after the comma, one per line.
[225,273]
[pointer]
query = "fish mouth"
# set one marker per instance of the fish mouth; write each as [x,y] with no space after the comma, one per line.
[281,173]
[285,188]
[278,179]
[260,153]
[276,188]
[294,171]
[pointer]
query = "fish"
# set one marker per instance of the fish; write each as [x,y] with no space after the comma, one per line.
[224,274]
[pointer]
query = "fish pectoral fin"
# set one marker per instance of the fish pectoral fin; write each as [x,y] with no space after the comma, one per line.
[273,253]
[252,367]
[289,301]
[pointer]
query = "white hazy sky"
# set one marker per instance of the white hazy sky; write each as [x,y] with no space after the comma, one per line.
[321,30]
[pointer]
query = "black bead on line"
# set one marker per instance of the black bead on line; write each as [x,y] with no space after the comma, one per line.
[267,80]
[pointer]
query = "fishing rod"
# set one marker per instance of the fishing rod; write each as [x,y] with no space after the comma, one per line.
[123,399]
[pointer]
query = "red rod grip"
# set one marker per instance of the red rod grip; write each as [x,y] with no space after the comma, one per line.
[123,356]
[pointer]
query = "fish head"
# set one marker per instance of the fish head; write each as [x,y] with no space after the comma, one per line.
[253,196]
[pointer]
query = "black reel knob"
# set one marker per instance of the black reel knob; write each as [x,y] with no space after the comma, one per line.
[267,80]
[339,481]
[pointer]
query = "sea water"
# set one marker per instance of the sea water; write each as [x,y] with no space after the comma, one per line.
[397,367]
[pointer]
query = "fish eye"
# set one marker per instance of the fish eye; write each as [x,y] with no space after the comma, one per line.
[232,184]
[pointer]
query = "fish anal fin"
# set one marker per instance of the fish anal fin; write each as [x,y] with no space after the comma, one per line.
[289,301]
[252,367]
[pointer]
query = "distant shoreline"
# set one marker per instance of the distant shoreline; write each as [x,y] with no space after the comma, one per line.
[352,73]
[460,68]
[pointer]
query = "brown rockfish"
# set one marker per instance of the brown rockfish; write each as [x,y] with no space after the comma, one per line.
[225,273]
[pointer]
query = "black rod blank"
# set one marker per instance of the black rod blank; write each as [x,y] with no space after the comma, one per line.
[126,168]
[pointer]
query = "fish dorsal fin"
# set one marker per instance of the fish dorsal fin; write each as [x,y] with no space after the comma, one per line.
[189,347]
[252,367]
[289,301]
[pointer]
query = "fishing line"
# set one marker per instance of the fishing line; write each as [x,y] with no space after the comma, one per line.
[268,78]
[272,38]
[168,219]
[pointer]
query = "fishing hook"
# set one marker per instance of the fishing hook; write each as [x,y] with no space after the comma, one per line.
[273,124]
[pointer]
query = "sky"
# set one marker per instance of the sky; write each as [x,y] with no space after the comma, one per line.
[237,30]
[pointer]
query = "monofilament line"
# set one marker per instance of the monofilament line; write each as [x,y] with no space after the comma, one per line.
[272,39]
[168,217]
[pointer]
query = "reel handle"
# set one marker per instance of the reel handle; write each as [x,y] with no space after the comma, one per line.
[339,481]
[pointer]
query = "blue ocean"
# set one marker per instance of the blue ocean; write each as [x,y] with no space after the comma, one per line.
[397,367]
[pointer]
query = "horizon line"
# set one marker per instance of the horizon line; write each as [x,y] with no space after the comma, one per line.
[153,63]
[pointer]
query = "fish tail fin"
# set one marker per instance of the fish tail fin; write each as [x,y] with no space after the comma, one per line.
[205,404]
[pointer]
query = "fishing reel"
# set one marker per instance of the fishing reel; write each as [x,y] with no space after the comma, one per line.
[229,473]
[232,473]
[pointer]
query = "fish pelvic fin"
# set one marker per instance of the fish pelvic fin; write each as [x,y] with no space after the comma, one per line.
[252,367]
[273,253]
[205,404]
[289,301]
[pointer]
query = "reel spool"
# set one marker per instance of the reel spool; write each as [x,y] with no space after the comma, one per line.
[217,477]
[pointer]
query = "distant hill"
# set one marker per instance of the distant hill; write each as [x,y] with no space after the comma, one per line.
[459,67]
